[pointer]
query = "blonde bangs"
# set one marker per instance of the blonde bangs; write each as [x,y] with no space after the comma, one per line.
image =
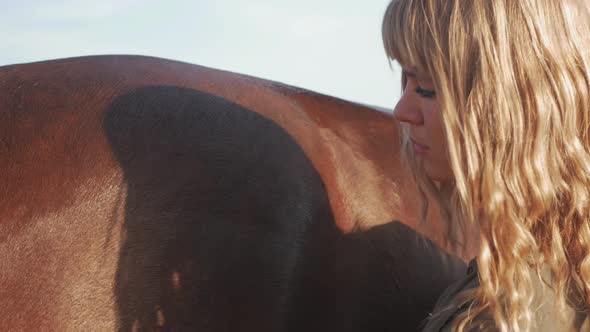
[405,35]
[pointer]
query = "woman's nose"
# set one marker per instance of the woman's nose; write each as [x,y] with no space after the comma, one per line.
[408,110]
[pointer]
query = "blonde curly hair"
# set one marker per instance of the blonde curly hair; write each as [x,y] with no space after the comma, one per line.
[512,81]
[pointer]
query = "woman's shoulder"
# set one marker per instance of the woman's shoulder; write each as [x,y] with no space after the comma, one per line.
[445,308]
[544,305]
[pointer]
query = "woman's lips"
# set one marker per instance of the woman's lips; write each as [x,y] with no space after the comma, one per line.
[419,148]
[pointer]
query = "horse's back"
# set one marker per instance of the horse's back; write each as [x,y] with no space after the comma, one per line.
[141,193]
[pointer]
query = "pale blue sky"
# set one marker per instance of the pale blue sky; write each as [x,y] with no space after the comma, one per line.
[329,46]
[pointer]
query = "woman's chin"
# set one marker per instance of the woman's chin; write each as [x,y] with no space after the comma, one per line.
[438,174]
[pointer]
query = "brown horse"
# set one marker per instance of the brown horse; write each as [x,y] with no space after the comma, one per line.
[143,194]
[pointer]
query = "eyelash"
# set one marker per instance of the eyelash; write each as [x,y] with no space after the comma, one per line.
[425,93]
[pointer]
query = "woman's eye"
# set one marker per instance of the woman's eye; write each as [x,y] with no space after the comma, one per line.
[425,93]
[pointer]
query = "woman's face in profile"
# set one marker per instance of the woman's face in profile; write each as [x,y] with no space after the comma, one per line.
[418,108]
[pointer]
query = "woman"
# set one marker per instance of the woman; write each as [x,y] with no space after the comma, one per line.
[495,119]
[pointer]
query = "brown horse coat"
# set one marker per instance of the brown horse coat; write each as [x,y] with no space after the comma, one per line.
[140,193]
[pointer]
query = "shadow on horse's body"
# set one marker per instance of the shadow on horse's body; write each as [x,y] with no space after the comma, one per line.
[141,193]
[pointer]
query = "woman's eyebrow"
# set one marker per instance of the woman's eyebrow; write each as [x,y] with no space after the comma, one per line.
[409,73]
[416,76]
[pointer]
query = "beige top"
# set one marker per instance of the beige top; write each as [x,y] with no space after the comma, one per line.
[545,318]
